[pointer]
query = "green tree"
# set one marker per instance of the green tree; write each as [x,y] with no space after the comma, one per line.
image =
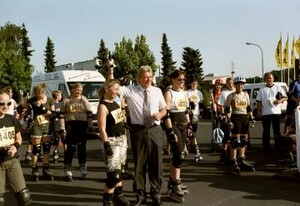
[14,60]
[192,63]
[27,53]
[126,61]
[102,58]
[168,65]
[49,57]
[144,54]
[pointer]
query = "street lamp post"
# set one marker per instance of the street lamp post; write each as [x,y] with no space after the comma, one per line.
[262,58]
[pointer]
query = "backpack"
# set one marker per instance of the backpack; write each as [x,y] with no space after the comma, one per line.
[218,136]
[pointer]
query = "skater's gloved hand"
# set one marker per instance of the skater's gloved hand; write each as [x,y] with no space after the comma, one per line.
[12,150]
[108,149]
[62,133]
[230,125]
[90,126]
[171,135]
[215,115]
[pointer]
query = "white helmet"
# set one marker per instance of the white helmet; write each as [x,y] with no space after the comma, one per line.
[239,79]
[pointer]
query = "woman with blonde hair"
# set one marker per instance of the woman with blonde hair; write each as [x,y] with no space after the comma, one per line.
[76,118]
[42,108]
[112,132]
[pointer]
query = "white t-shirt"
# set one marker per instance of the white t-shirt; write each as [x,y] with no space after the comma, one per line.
[195,96]
[224,96]
[267,95]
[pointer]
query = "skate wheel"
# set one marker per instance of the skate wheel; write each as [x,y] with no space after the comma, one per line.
[68,179]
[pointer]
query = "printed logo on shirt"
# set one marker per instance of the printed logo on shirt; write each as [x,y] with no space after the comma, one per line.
[194,98]
[181,104]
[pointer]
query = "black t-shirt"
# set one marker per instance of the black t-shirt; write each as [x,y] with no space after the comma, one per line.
[41,109]
[114,119]
[9,127]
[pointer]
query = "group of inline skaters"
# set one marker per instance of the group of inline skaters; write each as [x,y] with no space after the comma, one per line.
[176,109]
[232,112]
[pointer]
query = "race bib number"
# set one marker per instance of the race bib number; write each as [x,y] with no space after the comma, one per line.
[76,108]
[118,115]
[7,136]
[41,119]
[181,105]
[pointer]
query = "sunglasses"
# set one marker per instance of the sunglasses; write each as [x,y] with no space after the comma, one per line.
[3,103]
[181,80]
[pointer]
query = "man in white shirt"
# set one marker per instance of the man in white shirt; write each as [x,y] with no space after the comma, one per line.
[269,101]
[146,140]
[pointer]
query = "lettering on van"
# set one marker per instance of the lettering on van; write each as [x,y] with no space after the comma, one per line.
[85,76]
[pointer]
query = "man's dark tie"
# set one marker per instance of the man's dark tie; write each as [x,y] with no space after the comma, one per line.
[147,109]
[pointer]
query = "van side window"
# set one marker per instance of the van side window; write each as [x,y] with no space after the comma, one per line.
[248,91]
[62,88]
[255,91]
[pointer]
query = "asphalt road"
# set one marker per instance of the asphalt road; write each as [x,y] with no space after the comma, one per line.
[209,182]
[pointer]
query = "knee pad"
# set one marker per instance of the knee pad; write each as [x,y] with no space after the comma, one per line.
[177,156]
[46,147]
[244,141]
[55,138]
[235,142]
[23,197]
[177,160]
[36,149]
[81,146]
[113,178]
[71,148]
[1,199]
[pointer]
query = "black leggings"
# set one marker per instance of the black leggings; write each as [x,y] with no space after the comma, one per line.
[75,140]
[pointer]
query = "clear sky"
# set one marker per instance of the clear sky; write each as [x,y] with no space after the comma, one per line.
[218,28]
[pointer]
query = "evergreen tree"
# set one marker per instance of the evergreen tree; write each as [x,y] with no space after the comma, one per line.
[49,57]
[168,65]
[192,62]
[27,53]
[102,58]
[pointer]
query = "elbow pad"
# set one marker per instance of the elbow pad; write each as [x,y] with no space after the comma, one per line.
[20,109]
[167,116]
[62,115]
[249,109]
[227,110]
[89,115]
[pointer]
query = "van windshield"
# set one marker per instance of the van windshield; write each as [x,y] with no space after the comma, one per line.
[90,89]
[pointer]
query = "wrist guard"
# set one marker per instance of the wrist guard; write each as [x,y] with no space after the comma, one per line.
[171,135]
[17,145]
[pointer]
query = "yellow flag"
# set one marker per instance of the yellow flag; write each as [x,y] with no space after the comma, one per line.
[285,61]
[293,54]
[278,52]
[297,45]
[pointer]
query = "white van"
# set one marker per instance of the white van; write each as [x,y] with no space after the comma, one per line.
[253,89]
[64,80]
